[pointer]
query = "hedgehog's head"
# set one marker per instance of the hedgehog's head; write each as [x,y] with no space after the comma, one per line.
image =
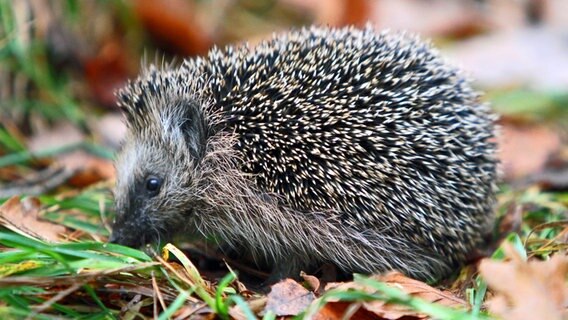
[157,166]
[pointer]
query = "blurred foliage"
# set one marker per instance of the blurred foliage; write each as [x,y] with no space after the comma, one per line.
[530,105]
[31,84]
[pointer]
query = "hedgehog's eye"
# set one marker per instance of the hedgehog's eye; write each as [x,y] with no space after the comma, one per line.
[153,184]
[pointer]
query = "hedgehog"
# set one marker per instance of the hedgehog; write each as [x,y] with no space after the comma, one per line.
[352,147]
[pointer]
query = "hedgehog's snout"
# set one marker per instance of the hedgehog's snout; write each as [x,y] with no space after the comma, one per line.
[128,228]
[127,236]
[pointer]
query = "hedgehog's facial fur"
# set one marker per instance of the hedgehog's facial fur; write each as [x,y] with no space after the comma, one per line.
[164,144]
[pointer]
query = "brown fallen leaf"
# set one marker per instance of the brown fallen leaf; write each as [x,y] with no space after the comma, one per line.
[312,281]
[527,290]
[412,287]
[87,168]
[339,310]
[23,217]
[421,290]
[514,143]
[173,24]
[107,71]
[288,298]
[36,183]
[256,305]
[336,13]
[83,168]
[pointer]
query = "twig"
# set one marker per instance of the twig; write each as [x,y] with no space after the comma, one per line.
[38,183]
[157,294]
[62,294]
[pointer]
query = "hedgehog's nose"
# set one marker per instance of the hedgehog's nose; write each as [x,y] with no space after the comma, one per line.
[128,235]
[129,240]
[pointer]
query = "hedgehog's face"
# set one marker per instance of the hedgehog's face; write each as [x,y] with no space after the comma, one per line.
[156,178]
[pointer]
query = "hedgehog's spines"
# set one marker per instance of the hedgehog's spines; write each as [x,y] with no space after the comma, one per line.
[374,131]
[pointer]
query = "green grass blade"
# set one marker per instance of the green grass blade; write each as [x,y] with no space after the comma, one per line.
[175,306]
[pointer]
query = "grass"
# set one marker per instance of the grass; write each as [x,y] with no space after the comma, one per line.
[24,55]
[42,279]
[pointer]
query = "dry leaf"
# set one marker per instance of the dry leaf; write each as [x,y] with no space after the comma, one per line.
[22,217]
[173,24]
[107,72]
[312,281]
[516,141]
[87,168]
[288,298]
[256,305]
[83,167]
[421,290]
[338,310]
[412,287]
[527,290]
[335,12]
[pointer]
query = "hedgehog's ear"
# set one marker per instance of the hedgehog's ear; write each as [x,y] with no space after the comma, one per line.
[194,128]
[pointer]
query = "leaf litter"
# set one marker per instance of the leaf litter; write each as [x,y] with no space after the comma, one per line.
[22,216]
[527,289]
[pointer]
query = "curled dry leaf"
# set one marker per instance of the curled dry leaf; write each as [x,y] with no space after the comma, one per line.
[345,310]
[527,290]
[23,217]
[288,298]
[414,288]
[312,282]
